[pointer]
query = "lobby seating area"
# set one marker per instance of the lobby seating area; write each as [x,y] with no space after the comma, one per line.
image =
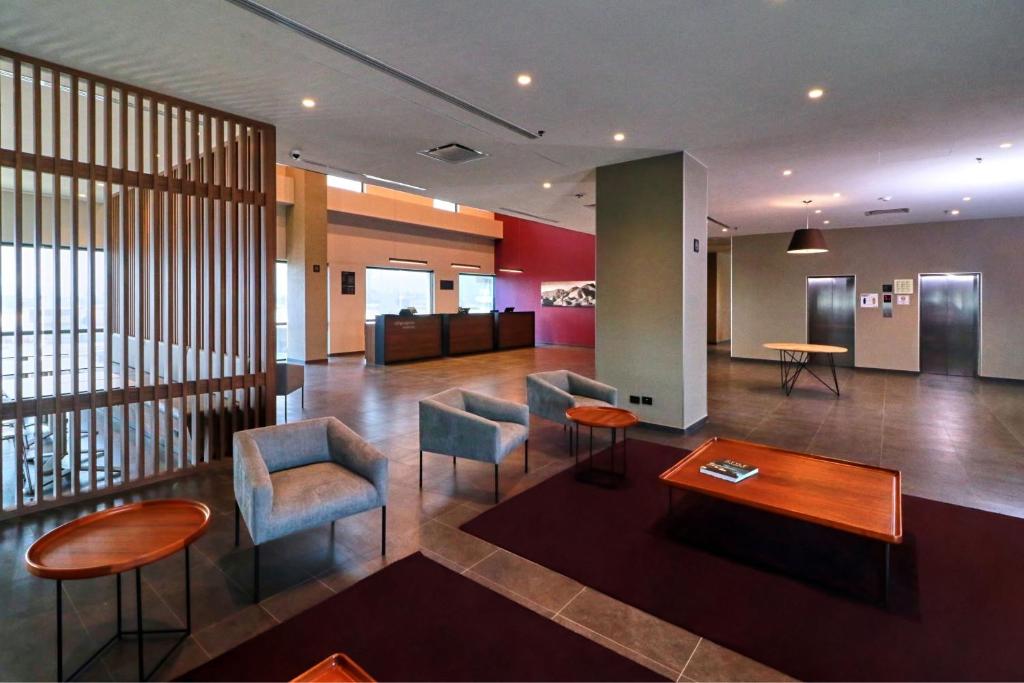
[634,341]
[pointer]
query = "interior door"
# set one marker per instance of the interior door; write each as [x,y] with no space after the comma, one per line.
[831,310]
[950,323]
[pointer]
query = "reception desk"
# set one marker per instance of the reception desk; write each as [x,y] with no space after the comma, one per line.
[468,333]
[401,338]
[513,330]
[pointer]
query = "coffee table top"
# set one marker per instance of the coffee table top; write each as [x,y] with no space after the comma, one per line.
[602,416]
[338,667]
[859,499]
[118,539]
[798,347]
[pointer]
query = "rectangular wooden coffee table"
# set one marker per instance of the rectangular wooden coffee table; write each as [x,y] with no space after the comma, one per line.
[855,498]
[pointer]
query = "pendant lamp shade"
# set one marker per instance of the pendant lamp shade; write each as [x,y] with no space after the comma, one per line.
[807,240]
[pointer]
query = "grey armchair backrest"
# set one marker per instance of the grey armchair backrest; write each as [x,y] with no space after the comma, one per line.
[293,445]
[556,378]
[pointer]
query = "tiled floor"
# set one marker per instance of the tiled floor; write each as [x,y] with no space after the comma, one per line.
[959,440]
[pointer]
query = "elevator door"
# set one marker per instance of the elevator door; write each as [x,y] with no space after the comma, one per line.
[950,307]
[831,306]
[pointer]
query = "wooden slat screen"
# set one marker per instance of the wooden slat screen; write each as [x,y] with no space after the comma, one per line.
[136,283]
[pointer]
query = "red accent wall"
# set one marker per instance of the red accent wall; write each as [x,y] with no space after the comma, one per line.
[545,253]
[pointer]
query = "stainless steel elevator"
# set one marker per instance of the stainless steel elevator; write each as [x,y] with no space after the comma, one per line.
[950,323]
[831,312]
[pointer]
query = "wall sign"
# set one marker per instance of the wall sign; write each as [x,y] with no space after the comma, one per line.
[869,300]
[447,284]
[348,282]
[903,286]
[902,299]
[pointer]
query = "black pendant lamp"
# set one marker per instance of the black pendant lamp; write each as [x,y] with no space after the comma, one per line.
[807,240]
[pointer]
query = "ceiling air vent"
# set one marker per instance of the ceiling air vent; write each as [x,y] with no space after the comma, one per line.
[885,212]
[453,153]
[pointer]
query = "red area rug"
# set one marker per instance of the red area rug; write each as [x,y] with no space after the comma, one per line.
[956,610]
[418,621]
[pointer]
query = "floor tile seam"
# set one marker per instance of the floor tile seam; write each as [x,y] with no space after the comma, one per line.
[570,601]
[636,652]
[512,591]
[474,565]
[700,639]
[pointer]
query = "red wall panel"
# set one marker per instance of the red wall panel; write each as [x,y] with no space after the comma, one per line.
[545,253]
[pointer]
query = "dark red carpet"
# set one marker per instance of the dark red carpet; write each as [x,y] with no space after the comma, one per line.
[418,621]
[956,610]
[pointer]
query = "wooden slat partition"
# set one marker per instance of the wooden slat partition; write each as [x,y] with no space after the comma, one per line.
[140,332]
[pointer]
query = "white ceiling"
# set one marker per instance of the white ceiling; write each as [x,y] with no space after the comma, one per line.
[915,91]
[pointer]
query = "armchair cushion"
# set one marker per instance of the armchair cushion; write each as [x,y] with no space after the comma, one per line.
[315,494]
[550,394]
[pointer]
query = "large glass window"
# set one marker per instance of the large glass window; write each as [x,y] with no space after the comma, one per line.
[389,290]
[476,292]
[281,307]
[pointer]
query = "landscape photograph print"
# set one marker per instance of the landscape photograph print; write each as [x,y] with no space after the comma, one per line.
[578,294]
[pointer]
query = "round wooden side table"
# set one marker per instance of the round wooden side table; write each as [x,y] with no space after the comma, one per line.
[602,417]
[109,542]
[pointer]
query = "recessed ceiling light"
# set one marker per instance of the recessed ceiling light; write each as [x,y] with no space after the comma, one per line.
[967,199]
[1006,145]
[788,171]
[524,79]
[817,211]
[619,137]
[815,93]
[836,194]
[725,229]
[885,198]
[954,212]
[308,102]
[546,185]
[826,222]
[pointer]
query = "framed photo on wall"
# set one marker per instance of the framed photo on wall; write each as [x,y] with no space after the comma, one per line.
[578,294]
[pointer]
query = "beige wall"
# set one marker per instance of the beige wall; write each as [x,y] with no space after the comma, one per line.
[719,311]
[652,287]
[769,288]
[356,242]
[306,250]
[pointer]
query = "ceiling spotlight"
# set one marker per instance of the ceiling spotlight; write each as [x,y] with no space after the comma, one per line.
[788,171]
[308,102]
[619,137]
[836,194]
[815,93]
[885,198]
[967,199]
[954,212]
[1006,145]
[546,185]
[826,222]
[524,79]
[725,229]
[817,211]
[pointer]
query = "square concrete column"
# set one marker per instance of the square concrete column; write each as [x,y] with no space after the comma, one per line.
[306,250]
[652,286]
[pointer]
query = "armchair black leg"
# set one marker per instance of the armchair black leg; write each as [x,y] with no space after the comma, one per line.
[453,463]
[237,515]
[383,529]
[256,574]
[421,469]
[495,483]
[526,456]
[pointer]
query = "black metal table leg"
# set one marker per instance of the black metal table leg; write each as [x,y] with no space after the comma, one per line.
[138,618]
[60,632]
[188,594]
[887,573]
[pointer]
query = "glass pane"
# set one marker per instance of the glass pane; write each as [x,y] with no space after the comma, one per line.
[389,290]
[281,308]
[344,183]
[476,292]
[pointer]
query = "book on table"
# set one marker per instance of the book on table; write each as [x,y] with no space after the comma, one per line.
[729,470]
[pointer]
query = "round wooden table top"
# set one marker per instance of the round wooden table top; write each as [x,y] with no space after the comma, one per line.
[797,347]
[602,416]
[111,541]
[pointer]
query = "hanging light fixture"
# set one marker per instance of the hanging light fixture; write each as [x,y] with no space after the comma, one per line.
[807,240]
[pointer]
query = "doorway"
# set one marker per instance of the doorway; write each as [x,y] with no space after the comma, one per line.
[950,323]
[831,315]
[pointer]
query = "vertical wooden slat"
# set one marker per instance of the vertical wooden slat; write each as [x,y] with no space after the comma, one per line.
[184,271]
[209,273]
[245,274]
[37,289]
[58,248]
[123,288]
[153,274]
[139,290]
[231,267]
[167,265]
[268,243]
[108,238]
[195,249]
[221,296]
[75,365]
[19,225]
[91,242]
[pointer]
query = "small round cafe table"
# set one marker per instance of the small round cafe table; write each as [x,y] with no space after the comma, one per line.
[113,541]
[605,417]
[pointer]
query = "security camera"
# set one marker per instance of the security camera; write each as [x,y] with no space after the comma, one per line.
[296,154]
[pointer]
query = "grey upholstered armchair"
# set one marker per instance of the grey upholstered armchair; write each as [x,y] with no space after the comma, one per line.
[550,394]
[296,476]
[465,424]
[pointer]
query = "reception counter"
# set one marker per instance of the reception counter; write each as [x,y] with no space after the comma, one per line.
[400,338]
[468,333]
[396,338]
[513,330]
